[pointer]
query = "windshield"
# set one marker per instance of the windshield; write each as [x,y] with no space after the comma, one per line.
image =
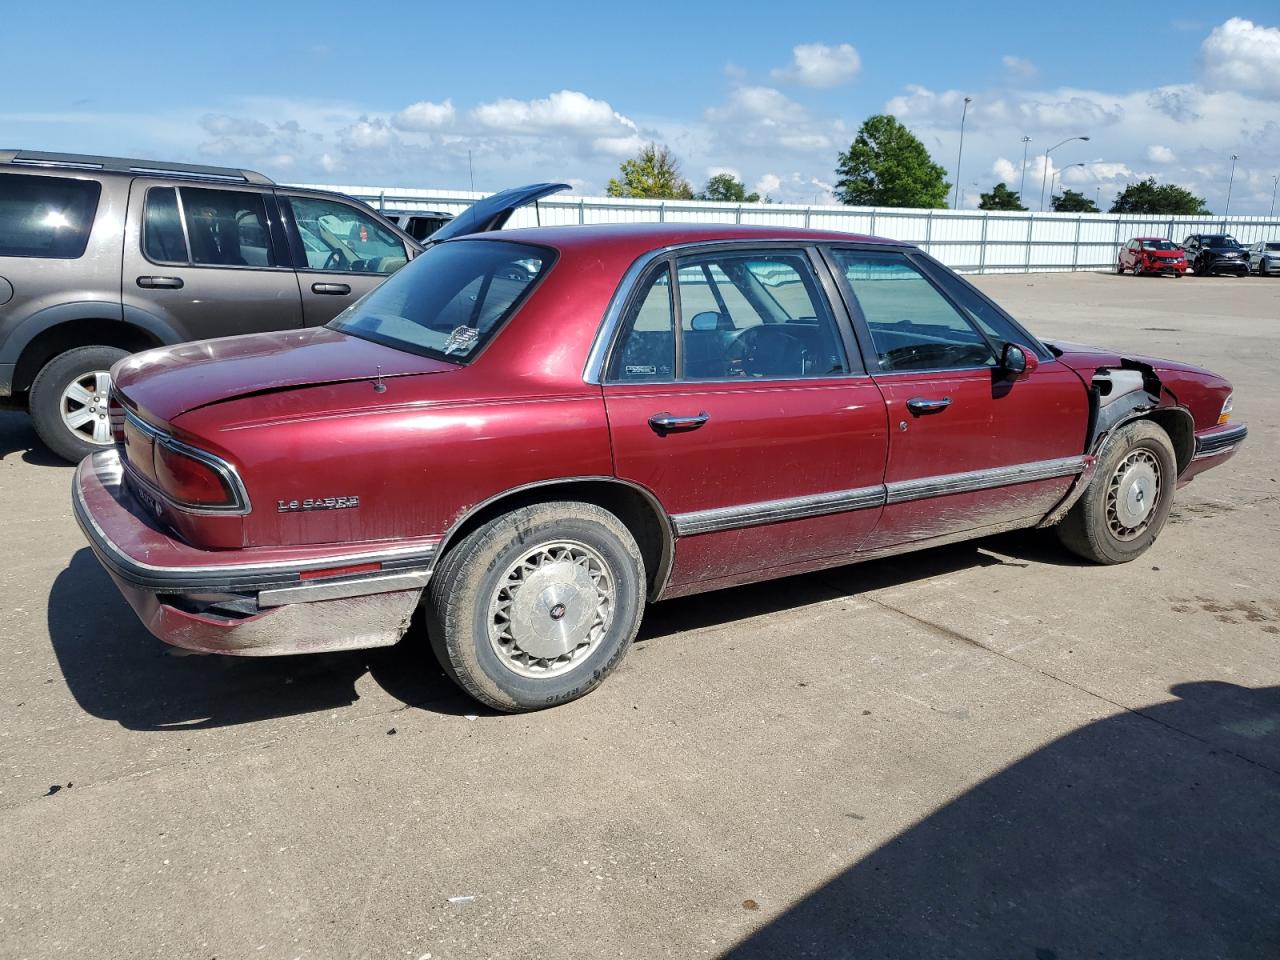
[1158,245]
[1221,240]
[450,300]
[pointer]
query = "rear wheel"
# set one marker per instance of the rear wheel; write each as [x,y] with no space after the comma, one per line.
[537,606]
[1127,502]
[68,401]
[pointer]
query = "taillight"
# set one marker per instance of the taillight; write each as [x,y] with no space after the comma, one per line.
[115,413]
[189,480]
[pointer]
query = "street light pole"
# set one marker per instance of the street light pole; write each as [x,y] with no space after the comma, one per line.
[963,113]
[1022,187]
[1275,182]
[1045,176]
[1230,181]
[1058,173]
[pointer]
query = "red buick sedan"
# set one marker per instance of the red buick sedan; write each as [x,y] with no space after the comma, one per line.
[531,433]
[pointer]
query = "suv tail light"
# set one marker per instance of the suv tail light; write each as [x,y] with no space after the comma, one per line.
[190,480]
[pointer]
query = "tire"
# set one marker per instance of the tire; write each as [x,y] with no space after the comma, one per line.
[479,645]
[54,409]
[1137,268]
[1090,529]
[1120,267]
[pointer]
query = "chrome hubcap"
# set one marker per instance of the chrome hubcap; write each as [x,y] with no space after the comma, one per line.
[551,610]
[1132,494]
[84,407]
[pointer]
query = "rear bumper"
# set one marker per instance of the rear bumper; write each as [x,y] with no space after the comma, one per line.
[251,602]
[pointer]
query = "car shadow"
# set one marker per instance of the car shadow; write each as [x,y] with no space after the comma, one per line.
[117,671]
[1151,833]
[17,435]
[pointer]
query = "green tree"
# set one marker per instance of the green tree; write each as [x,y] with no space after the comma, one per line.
[1000,198]
[1166,198]
[653,173]
[888,166]
[1069,201]
[726,188]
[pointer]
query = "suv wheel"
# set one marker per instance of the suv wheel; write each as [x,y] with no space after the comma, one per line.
[537,606]
[68,401]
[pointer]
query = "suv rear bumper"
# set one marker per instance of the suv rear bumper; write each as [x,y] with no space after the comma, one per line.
[250,602]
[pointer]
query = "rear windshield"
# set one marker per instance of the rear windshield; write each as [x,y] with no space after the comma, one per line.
[1158,245]
[46,216]
[451,300]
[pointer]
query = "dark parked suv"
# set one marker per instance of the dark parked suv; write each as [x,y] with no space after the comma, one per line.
[101,257]
[1210,253]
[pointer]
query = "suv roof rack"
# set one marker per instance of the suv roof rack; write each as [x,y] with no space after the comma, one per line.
[84,161]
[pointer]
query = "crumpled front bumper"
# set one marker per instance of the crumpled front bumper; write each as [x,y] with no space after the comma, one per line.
[251,602]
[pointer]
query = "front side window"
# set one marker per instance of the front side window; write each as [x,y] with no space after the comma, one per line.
[47,217]
[450,301]
[912,325]
[340,238]
[226,228]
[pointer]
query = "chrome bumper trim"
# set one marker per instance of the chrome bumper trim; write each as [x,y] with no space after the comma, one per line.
[1218,442]
[343,589]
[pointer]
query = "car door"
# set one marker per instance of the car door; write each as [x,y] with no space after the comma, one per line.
[1128,255]
[341,252]
[734,394]
[207,261]
[970,448]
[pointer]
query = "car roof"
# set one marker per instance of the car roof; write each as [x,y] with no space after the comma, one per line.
[638,238]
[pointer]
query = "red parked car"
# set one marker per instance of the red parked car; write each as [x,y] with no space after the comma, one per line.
[1152,255]
[532,433]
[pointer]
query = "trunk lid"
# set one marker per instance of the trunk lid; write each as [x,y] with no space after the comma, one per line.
[493,211]
[165,383]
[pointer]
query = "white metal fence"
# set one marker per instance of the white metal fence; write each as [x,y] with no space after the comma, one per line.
[971,241]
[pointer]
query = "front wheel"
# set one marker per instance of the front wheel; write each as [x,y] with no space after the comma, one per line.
[1120,267]
[537,606]
[68,401]
[1127,502]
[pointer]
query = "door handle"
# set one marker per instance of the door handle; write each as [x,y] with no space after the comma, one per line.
[667,422]
[166,283]
[921,405]
[333,289]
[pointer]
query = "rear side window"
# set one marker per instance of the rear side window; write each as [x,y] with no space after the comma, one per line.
[47,217]
[162,230]
[451,300]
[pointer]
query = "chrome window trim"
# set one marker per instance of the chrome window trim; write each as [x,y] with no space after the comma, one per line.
[904,491]
[774,511]
[606,333]
[229,474]
[862,498]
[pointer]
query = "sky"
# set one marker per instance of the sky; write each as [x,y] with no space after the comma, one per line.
[398,94]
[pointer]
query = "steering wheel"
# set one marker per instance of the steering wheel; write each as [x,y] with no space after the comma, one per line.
[335,260]
[764,351]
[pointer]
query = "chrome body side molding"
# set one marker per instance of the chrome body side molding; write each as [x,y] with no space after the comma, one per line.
[1218,442]
[342,589]
[775,511]
[862,498]
[905,490]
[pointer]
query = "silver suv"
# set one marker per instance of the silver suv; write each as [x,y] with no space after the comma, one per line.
[102,256]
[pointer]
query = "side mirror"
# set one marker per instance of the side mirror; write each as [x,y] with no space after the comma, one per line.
[707,320]
[1017,361]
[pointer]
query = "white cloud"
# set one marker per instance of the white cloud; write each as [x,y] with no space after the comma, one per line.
[768,184]
[1242,55]
[1158,153]
[1019,67]
[716,171]
[366,134]
[819,65]
[424,116]
[619,146]
[221,125]
[563,110]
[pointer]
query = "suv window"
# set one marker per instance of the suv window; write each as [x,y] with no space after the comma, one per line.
[46,217]
[756,315]
[224,228]
[451,302]
[162,237]
[912,325]
[341,238]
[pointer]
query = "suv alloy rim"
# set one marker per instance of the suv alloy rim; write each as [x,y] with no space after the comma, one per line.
[551,609]
[1132,494]
[84,407]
